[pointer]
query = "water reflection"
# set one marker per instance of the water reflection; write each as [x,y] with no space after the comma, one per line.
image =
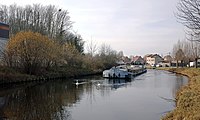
[64,100]
[44,102]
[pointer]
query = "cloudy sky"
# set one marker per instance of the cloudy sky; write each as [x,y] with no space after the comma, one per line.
[136,27]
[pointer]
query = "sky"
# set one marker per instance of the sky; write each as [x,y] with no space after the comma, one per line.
[136,27]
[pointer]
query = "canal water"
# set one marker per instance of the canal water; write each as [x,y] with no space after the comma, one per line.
[146,97]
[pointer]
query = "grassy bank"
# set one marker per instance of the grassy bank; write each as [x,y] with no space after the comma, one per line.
[9,75]
[188,97]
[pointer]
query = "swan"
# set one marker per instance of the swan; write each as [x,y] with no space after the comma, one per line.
[98,84]
[77,82]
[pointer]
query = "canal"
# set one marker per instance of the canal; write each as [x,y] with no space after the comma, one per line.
[146,97]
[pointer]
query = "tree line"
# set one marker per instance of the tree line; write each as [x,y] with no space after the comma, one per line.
[42,42]
[46,20]
[188,14]
[186,51]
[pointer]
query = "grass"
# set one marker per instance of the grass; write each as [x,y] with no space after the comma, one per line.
[188,97]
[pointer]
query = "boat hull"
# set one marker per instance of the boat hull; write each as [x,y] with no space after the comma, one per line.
[115,73]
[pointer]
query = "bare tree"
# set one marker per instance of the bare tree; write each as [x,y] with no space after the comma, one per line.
[92,48]
[190,50]
[47,20]
[120,54]
[180,56]
[189,15]
[105,50]
[107,55]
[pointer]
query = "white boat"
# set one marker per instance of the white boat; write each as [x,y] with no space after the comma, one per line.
[117,72]
[124,71]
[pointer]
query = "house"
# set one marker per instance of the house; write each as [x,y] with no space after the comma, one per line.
[120,62]
[166,62]
[4,35]
[126,59]
[168,58]
[180,63]
[153,59]
[137,60]
[145,58]
[193,63]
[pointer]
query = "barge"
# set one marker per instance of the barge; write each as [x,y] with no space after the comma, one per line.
[124,72]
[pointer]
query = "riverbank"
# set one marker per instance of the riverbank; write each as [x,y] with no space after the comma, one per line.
[11,76]
[8,75]
[188,97]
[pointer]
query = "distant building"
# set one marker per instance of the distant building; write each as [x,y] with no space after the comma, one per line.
[137,60]
[126,59]
[193,63]
[180,63]
[168,58]
[166,62]
[4,36]
[145,58]
[120,62]
[153,59]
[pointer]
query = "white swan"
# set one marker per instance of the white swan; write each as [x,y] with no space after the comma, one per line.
[77,82]
[98,84]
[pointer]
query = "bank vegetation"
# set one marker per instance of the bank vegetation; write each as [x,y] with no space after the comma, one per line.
[188,97]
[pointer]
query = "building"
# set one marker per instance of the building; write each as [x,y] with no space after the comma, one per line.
[145,58]
[166,62]
[193,63]
[153,59]
[168,58]
[126,59]
[137,60]
[4,36]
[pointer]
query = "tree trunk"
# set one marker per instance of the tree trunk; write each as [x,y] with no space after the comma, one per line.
[196,62]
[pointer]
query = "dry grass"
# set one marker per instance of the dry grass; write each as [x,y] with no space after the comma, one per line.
[188,97]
